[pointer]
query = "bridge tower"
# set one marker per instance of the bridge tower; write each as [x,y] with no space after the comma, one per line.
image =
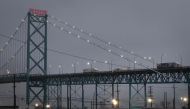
[37,62]
[36,56]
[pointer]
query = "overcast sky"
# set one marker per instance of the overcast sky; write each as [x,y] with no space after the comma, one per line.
[146,27]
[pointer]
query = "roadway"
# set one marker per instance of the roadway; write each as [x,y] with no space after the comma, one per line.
[137,76]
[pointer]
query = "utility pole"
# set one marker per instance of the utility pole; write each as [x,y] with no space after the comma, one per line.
[91,105]
[93,101]
[174,96]
[14,93]
[117,96]
[70,96]
[150,92]
[166,101]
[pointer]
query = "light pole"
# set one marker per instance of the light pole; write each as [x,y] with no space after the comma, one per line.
[62,68]
[106,62]
[74,65]
[135,61]
[150,101]
[114,101]
[111,64]
[152,61]
[181,59]
[129,64]
[49,69]
[161,57]
[59,69]
[90,63]
[8,71]
[48,106]
[185,100]
[36,106]
[181,101]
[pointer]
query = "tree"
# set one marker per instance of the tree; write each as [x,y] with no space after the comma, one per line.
[185,107]
[156,105]
[163,105]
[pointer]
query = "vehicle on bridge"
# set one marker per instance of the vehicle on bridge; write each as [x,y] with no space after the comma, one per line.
[168,65]
[90,70]
[120,69]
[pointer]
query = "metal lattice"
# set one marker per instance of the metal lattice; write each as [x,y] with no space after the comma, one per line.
[36,57]
[55,96]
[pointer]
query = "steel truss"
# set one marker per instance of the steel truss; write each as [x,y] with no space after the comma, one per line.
[104,95]
[55,96]
[138,77]
[180,75]
[76,98]
[36,44]
[144,97]
[133,77]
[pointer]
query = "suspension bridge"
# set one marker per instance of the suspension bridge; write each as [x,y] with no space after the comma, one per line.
[24,59]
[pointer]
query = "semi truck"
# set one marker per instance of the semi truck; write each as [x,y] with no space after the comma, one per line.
[168,65]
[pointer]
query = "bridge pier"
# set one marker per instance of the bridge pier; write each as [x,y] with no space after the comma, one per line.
[55,96]
[131,106]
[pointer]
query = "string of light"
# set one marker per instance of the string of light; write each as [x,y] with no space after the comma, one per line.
[6,44]
[79,37]
[135,62]
[13,55]
[53,51]
[9,51]
[97,38]
[16,52]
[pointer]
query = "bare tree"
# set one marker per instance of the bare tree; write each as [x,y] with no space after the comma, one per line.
[156,105]
[169,104]
[163,105]
[185,107]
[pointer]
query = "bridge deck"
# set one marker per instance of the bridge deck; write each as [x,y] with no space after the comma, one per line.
[172,75]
